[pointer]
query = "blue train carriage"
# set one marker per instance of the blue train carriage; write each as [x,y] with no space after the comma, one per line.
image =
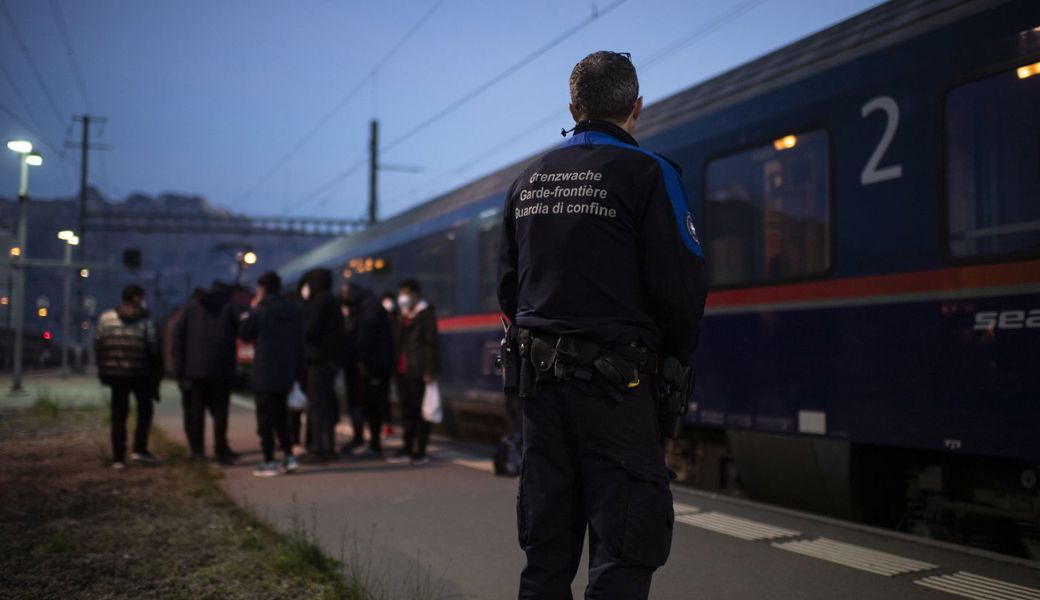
[869,203]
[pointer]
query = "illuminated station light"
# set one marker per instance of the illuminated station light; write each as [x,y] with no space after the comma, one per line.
[1028,71]
[785,143]
[249,258]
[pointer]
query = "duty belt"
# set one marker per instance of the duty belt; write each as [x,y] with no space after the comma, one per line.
[554,358]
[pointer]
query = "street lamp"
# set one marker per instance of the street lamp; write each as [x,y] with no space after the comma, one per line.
[71,239]
[246,258]
[27,158]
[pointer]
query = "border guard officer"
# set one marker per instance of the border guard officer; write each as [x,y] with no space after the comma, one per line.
[600,276]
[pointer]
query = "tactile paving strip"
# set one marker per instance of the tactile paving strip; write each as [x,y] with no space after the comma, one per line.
[684,509]
[978,587]
[857,557]
[735,526]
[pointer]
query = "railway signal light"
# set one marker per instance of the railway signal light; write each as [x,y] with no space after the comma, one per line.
[47,335]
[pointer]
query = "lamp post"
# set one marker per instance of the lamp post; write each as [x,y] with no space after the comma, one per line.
[71,239]
[27,159]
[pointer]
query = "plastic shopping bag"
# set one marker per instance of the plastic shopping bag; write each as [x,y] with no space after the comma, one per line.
[297,399]
[431,403]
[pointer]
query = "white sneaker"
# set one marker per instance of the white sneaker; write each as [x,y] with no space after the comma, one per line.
[117,465]
[144,457]
[266,469]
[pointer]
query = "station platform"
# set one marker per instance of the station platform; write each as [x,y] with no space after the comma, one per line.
[448,529]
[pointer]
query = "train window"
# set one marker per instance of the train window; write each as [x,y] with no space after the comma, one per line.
[993,165]
[487,248]
[435,271]
[767,212]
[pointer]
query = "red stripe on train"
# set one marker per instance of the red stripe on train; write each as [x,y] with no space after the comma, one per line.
[883,285]
[856,287]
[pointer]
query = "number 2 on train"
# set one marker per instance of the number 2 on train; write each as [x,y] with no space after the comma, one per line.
[871,173]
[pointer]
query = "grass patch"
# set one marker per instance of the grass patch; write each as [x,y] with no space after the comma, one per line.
[72,527]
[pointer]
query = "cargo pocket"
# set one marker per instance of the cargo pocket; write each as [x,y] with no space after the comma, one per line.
[646,537]
[521,509]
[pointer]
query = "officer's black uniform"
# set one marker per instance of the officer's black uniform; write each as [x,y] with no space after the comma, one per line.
[598,244]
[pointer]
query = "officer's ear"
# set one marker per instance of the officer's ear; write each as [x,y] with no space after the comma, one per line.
[574,113]
[638,108]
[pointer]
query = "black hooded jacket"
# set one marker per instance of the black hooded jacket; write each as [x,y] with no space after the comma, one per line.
[127,346]
[275,326]
[204,337]
[323,321]
[373,333]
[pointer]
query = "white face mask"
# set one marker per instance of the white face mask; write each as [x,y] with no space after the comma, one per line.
[305,291]
[405,302]
[388,305]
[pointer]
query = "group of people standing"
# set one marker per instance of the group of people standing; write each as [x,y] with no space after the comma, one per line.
[302,341]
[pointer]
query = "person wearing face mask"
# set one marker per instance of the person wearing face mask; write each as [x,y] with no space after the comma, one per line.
[323,349]
[418,363]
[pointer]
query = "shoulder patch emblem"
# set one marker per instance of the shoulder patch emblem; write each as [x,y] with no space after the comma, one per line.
[691,229]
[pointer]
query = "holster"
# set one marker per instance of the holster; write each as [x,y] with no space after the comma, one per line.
[675,384]
[509,359]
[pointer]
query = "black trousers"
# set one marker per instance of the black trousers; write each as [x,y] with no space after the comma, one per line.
[142,392]
[187,418]
[377,405]
[322,408]
[272,420]
[356,401]
[214,396]
[416,429]
[591,462]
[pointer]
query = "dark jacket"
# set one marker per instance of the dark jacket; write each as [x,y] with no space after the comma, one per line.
[599,242]
[275,327]
[127,347]
[417,350]
[204,337]
[323,320]
[373,333]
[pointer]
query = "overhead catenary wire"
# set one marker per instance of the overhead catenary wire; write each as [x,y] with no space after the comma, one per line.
[21,98]
[340,105]
[653,60]
[480,89]
[32,64]
[46,142]
[59,20]
[465,98]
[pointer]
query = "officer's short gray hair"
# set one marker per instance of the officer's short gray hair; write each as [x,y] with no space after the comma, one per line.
[604,86]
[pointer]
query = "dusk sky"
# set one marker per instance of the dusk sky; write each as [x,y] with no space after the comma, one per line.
[218,98]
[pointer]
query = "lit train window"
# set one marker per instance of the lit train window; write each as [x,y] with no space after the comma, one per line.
[993,165]
[487,249]
[767,212]
[435,271]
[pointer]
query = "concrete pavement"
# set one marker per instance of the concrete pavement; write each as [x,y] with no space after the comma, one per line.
[448,528]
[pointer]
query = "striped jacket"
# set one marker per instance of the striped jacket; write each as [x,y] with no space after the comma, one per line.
[127,346]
